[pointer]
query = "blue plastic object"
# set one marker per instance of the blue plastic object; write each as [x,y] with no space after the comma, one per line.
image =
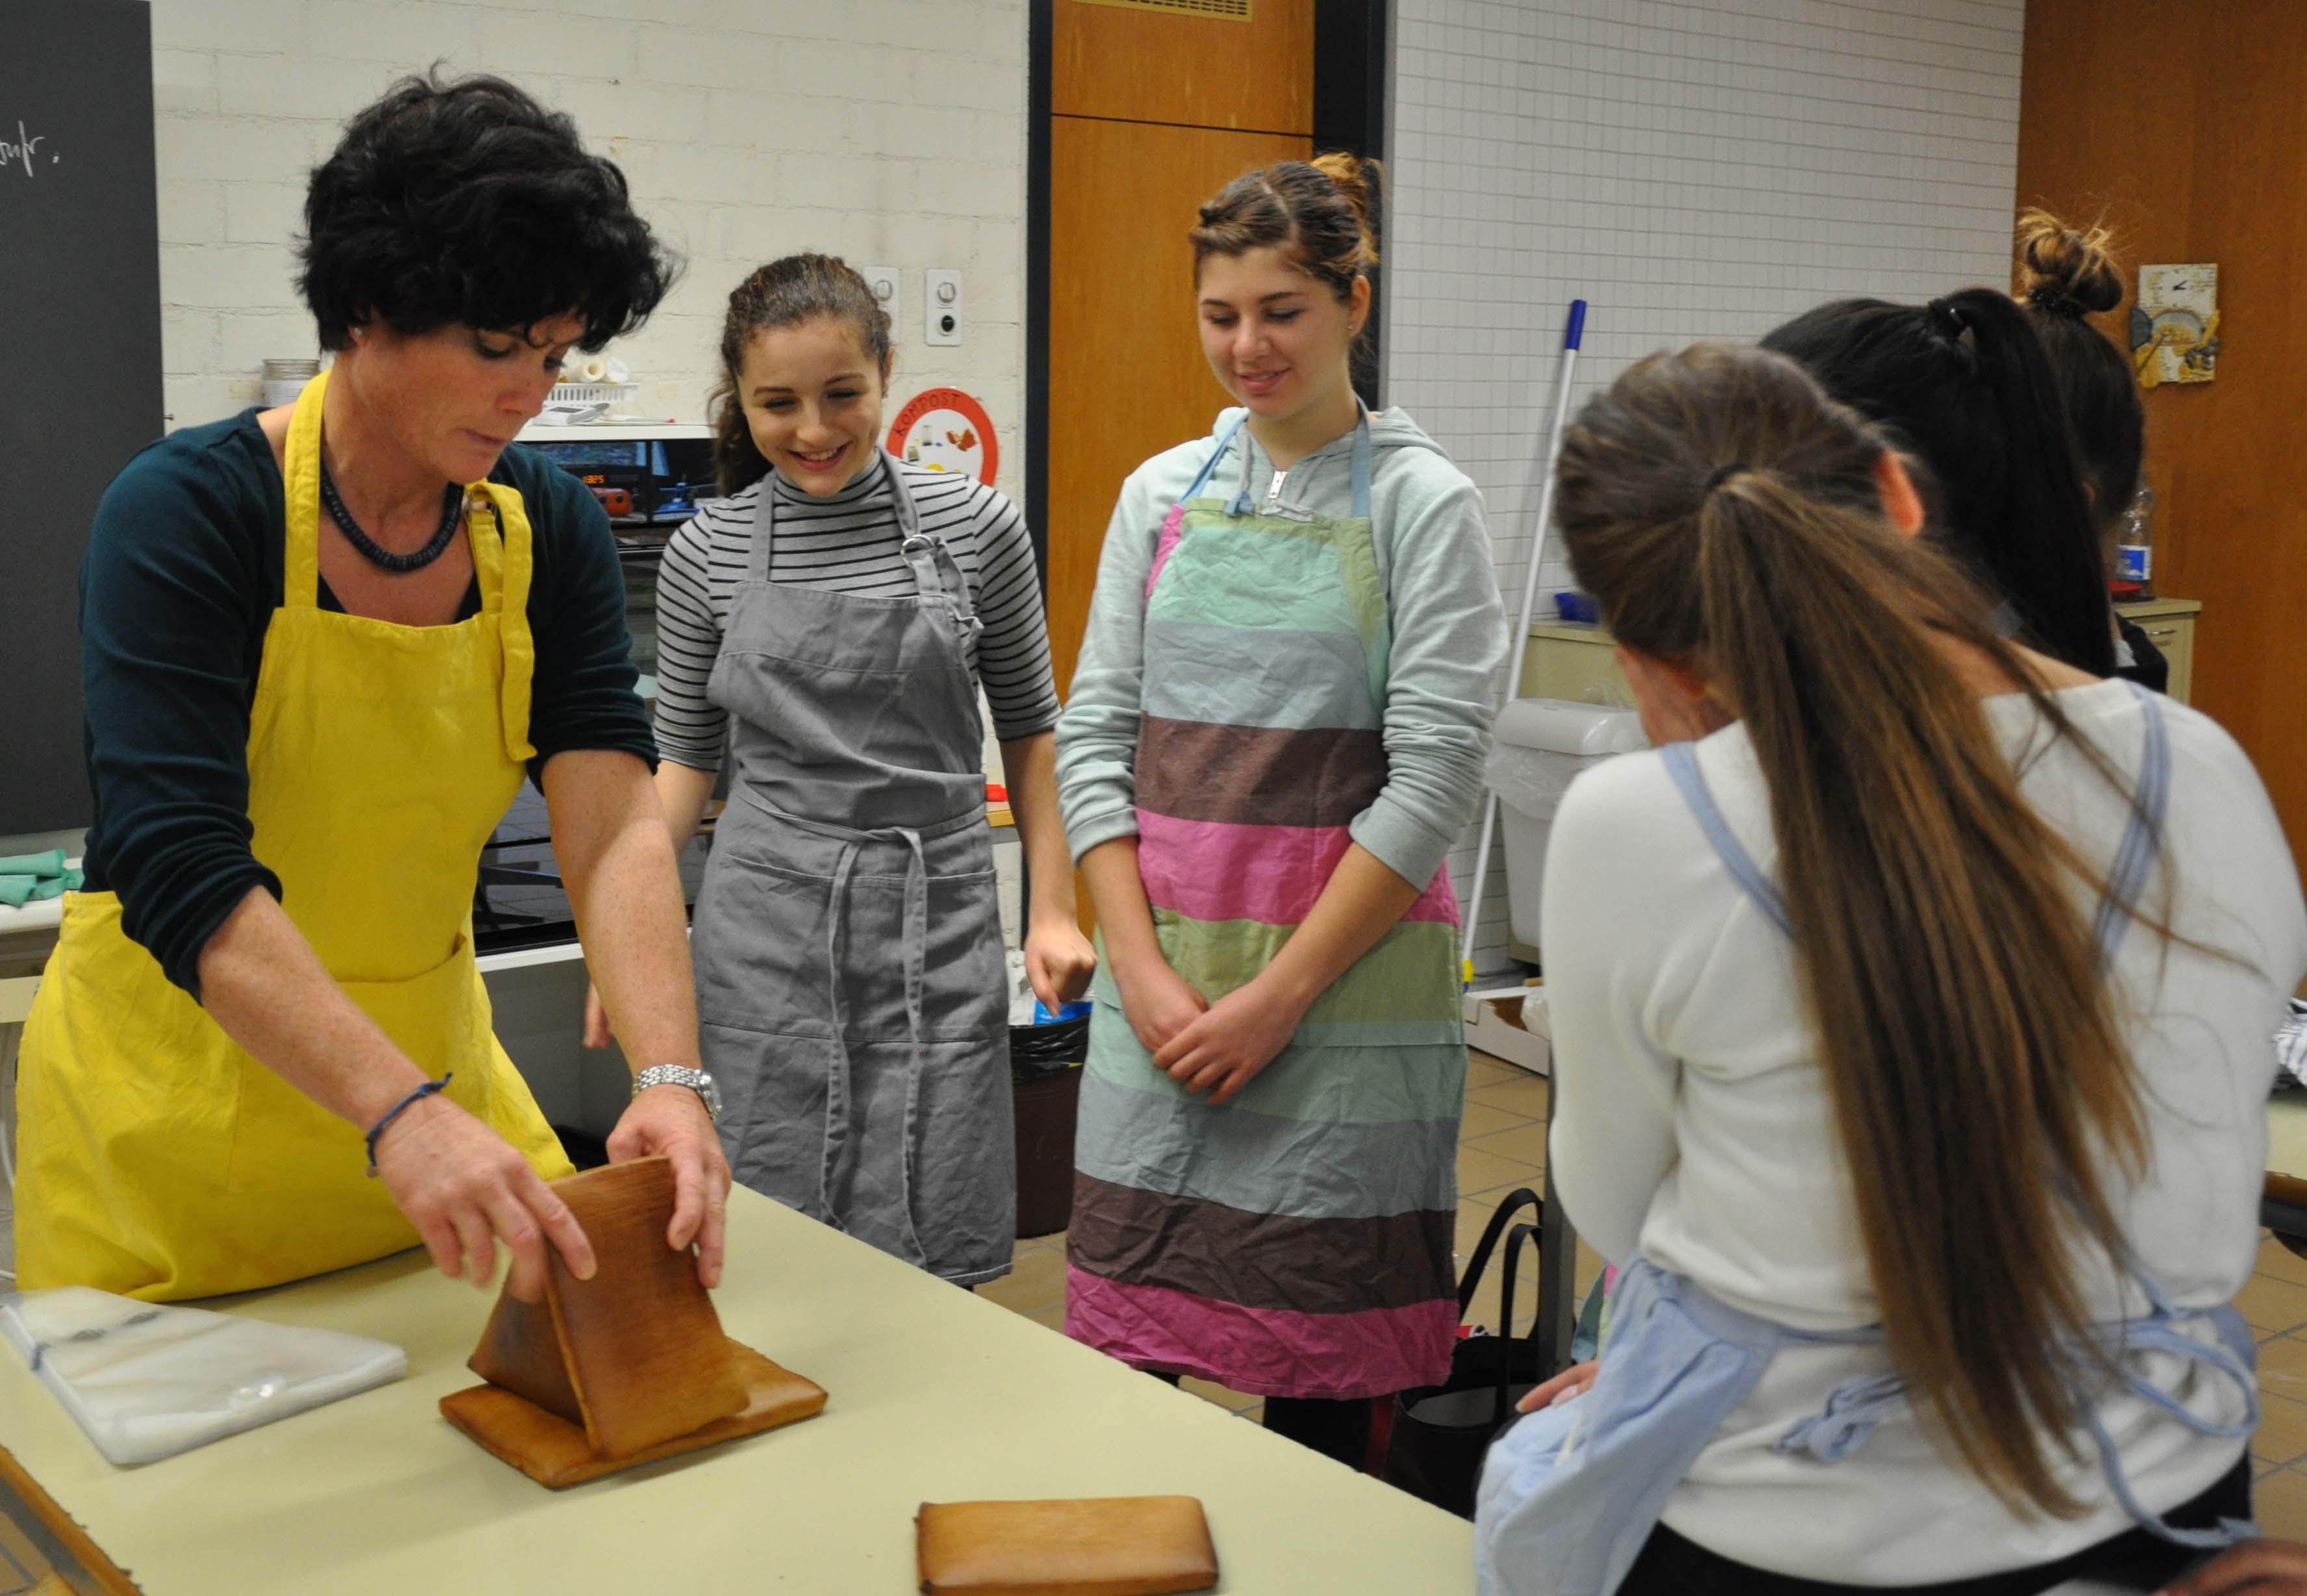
[1576,606]
[1577,329]
[1074,1011]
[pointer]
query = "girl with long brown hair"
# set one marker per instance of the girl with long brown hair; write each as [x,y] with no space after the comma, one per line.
[1909,1009]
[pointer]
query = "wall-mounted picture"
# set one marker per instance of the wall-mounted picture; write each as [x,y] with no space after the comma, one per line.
[2174,326]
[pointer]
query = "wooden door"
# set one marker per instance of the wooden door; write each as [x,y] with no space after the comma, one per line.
[1156,110]
[2197,151]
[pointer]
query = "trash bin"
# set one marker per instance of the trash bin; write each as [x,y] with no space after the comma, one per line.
[1540,745]
[1045,1082]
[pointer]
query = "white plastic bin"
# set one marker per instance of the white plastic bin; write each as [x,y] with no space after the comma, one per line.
[1542,745]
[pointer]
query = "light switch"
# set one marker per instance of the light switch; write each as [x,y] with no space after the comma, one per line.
[884,282]
[941,316]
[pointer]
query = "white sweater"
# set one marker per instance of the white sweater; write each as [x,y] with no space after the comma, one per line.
[1692,1126]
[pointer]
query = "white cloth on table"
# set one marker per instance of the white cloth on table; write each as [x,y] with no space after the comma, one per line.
[147,1381]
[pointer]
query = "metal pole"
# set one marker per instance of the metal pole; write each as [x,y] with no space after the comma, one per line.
[1572,333]
[1557,1275]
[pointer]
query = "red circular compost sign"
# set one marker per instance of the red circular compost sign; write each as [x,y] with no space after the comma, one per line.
[945,429]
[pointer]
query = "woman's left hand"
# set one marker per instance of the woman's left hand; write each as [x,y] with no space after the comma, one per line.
[1222,1051]
[1058,960]
[670,1122]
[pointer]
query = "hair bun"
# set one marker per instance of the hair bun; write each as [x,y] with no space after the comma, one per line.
[1360,183]
[2068,269]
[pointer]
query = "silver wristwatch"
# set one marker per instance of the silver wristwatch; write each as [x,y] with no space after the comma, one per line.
[676,1075]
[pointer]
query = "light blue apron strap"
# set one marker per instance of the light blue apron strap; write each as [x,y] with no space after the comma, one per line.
[2160,1333]
[1855,1408]
[1682,764]
[2143,839]
[1210,466]
[1363,468]
[2127,877]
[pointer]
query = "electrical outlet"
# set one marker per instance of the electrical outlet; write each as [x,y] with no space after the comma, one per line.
[941,316]
[885,284]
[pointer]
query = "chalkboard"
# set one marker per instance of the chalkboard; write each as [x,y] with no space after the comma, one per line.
[80,382]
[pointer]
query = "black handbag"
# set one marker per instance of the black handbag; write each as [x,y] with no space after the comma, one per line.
[1440,1433]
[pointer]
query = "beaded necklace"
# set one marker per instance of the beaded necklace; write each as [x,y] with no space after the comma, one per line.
[452,502]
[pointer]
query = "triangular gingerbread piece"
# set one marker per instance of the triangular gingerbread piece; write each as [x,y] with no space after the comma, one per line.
[520,1351]
[631,1363]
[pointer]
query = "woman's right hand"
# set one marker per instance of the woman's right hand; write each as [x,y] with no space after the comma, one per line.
[465,1190]
[1571,1382]
[596,1019]
[1158,1003]
[2254,1569]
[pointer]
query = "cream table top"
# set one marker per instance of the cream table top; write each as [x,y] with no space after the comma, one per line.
[936,1396]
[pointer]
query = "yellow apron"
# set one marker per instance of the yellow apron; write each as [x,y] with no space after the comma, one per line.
[157,1158]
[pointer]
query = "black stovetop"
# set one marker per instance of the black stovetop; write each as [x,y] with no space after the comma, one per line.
[519,902]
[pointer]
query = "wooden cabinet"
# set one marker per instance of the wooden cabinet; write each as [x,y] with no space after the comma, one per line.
[1152,112]
[1568,660]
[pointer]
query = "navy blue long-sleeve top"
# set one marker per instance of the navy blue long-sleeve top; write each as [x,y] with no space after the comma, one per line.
[184,567]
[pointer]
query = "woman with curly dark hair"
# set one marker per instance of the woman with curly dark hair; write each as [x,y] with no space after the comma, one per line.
[322,644]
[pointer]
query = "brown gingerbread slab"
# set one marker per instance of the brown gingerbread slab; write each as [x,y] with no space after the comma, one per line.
[556,1452]
[1098,1546]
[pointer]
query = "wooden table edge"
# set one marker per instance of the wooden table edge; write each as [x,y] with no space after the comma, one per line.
[107,1574]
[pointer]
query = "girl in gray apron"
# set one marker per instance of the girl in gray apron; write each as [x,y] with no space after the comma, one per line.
[1736,527]
[850,977]
[847,943]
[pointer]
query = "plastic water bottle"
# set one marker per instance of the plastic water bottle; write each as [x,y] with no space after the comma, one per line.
[2134,542]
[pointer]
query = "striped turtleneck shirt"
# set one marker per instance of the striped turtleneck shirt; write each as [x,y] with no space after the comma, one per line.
[849,543]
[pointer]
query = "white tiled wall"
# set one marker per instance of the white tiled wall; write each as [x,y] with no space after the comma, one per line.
[1692,170]
[891,131]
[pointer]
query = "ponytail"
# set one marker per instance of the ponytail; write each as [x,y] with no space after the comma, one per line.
[1964,383]
[1968,1045]
[2047,564]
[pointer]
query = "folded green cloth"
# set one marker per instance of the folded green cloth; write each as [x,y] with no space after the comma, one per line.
[50,863]
[35,877]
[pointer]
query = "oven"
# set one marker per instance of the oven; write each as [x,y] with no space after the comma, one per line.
[650,477]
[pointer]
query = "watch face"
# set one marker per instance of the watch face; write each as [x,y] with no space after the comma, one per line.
[710,1091]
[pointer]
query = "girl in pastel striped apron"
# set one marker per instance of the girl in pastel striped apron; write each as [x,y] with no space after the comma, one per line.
[1274,736]
[1909,1007]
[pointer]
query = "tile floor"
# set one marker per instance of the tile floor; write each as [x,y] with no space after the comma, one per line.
[1502,1145]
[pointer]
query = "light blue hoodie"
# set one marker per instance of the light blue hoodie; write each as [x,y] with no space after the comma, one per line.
[1449,634]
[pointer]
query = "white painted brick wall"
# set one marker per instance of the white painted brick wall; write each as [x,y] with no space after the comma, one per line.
[892,132]
[1694,169]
